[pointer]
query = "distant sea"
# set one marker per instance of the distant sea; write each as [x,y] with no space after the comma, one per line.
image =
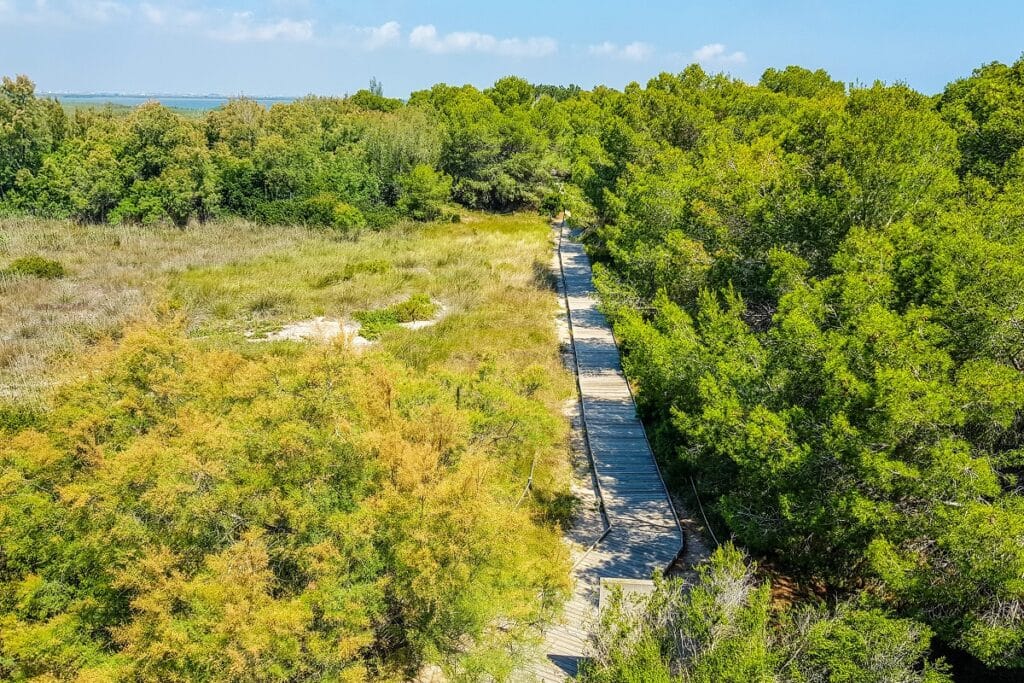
[193,102]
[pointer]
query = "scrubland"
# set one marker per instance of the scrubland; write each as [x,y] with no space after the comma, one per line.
[296,508]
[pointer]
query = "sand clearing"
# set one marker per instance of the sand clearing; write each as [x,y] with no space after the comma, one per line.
[322,330]
[325,330]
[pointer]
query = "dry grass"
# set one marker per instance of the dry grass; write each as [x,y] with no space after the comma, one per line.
[233,277]
[115,275]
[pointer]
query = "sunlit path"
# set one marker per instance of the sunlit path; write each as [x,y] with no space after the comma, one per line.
[638,533]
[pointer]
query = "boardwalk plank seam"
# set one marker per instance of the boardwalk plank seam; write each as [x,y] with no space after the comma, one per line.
[643,535]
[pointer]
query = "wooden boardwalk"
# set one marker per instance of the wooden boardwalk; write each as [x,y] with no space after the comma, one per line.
[639,532]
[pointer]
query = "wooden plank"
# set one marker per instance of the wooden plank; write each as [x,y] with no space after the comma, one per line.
[644,536]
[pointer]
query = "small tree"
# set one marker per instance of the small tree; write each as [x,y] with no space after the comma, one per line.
[347,218]
[29,128]
[423,192]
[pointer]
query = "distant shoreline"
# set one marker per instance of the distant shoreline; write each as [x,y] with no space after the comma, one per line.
[195,102]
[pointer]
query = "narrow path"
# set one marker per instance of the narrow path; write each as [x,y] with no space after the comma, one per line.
[637,533]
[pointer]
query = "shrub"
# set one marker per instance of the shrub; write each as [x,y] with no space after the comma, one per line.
[15,417]
[347,218]
[375,323]
[37,266]
[416,307]
[226,516]
[350,270]
[318,209]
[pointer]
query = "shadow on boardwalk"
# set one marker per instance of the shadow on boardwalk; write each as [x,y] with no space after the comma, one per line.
[628,528]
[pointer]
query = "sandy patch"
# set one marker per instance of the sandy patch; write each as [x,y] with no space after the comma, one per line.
[325,330]
[321,330]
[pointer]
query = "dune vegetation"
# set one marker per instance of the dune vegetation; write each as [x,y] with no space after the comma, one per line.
[818,289]
[186,504]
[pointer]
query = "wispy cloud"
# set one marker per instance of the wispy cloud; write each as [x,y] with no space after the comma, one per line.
[633,52]
[243,27]
[234,27]
[62,13]
[175,16]
[428,39]
[99,10]
[716,54]
[216,24]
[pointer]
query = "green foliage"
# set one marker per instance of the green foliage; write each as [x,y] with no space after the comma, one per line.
[819,299]
[423,193]
[198,510]
[987,109]
[492,151]
[373,101]
[376,322]
[29,129]
[722,629]
[36,266]
[800,82]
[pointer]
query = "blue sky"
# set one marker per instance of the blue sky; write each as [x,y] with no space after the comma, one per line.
[293,47]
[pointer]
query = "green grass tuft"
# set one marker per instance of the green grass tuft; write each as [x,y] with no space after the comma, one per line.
[37,266]
[375,323]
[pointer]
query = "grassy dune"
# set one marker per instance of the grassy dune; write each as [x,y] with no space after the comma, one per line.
[232,277]
[367,507]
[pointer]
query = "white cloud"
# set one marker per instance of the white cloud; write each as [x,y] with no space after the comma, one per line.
[376,37]
[715,54]
[633,52]
[242,27]
[153,14]
[237,27]
[157,15]
[427,38]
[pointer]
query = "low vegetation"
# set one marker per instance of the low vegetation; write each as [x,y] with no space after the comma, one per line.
[819,288]
[418,307]
[36,266]
[280,511]
[723,628]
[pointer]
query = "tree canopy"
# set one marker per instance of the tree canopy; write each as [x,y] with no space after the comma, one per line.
[818,286]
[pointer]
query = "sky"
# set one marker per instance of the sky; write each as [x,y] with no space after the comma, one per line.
[297,47]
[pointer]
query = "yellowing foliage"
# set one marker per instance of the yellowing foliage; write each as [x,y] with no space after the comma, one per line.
[183,511]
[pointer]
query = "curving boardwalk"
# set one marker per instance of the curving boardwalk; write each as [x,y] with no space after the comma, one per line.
[638,532]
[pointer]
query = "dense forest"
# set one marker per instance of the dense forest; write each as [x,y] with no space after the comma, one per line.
[818,287]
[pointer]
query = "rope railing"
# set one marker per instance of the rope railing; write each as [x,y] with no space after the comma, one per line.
[606,520]
[600,492]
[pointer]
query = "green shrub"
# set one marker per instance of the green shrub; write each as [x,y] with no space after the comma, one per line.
[375,323]
[416,307]
[347,218]
[15,417]
[424,192]
[318,209]
[37,266]
[551,203]
[380,217]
